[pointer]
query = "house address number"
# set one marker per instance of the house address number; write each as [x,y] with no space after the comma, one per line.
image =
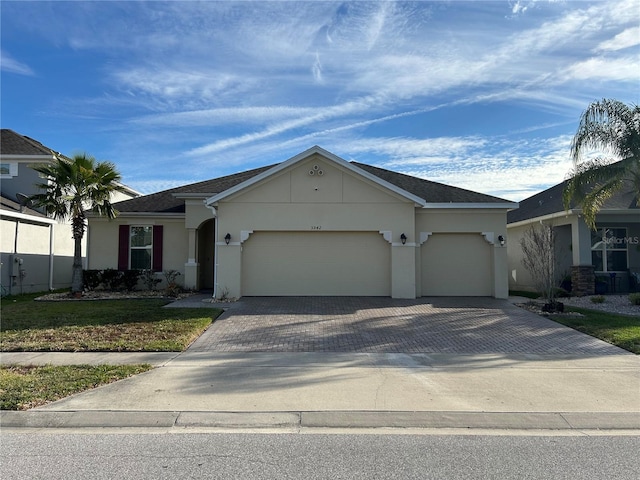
[316,227]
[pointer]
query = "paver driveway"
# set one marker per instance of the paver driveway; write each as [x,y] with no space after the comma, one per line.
[374,324]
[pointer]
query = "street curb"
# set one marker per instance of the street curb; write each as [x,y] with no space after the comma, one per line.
[323,419]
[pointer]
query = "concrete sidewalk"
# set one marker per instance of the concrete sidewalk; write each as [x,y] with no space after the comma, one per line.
[333,390]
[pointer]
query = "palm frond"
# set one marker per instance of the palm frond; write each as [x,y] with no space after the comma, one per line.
[613,128]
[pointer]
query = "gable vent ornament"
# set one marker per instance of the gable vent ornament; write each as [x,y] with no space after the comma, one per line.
[316,170]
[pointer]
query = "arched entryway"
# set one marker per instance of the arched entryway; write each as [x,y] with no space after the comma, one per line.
[206,251]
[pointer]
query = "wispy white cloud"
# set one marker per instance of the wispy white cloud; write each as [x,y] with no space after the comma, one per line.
[11,65]
[622,69]
[225,116]
[625,39]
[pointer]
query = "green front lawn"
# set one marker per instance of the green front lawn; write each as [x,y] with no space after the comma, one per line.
[620,330]
[100,325]
[81,326]
[22,388]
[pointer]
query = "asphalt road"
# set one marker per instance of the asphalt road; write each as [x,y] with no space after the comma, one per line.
[47,455]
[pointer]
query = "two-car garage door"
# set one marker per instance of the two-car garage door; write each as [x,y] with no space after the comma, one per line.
[316,263]
[359,264]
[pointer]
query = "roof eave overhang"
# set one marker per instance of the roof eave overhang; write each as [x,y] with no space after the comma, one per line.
[27,158]
[27,218]
[419,202]
[478,205]
[575,211]
[139,214]
[543,218]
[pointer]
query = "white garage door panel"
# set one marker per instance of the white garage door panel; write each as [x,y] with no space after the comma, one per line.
[316,263]
[456,265]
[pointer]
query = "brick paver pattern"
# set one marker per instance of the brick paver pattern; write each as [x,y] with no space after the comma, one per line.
[379,325]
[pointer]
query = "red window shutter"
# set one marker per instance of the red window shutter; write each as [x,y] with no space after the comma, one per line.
[156,257]
[123,248]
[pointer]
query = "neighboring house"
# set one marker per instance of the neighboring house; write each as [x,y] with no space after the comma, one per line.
[36,251]
[313,225]
[606,260]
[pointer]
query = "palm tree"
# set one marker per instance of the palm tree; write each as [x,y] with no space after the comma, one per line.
[612,127]
[72,187]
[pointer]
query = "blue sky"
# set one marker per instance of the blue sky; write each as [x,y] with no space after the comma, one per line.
[481,95]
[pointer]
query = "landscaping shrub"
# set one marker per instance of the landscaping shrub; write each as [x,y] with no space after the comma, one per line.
[112,279]
[597,299]
[172,289]
[634,298]
[149,279]
[130,279]
[91,279]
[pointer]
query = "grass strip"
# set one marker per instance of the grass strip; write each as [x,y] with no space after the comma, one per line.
[620,330]
[25,387]
[101,325]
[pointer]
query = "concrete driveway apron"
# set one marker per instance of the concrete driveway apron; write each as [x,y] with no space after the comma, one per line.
[384,325]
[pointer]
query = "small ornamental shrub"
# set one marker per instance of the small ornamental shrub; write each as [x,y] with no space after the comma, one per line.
[130,279]
[634,298]
[172,288]
[149,279]
[597,299]
[91,279]
[112,279]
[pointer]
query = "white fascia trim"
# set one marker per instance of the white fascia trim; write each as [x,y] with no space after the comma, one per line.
[130,190]
[139,214]
[542,218]
[307,153]
[27,158]
[496,206]
[577,212]
[28,218]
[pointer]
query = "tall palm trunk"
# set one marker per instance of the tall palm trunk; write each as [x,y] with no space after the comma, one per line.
[78,227]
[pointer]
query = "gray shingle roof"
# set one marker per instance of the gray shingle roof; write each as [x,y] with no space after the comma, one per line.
[13,206]
[166,202]
[432,192]
[12,143]
[549,201]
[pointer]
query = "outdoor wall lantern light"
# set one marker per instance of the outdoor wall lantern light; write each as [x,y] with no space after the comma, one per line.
[227,238]
[403,238]
[501,240]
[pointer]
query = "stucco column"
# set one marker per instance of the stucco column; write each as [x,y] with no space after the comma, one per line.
[191,267]
[403,270]
[229,269]
[580,242]
[500,271]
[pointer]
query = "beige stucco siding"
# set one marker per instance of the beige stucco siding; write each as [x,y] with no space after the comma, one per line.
[103,241]
[316,263]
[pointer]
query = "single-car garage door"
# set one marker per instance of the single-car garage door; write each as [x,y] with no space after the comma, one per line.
[316,264]
[456,264]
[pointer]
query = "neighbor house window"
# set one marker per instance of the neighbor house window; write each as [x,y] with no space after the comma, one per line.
[609,249]
[8,170]
[140,247]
